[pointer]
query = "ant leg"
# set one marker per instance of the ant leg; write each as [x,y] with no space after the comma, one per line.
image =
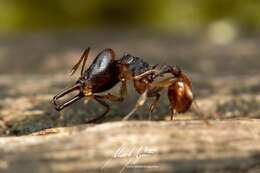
[173,113]
[104,114]
[139,104]
[126,74]
[164,83]
[123,91]
[154,93]
[109,97]
[83,57]
[153,105]
[174,70]
[145,74]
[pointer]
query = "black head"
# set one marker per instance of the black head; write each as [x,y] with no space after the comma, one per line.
[90,80]
[101,74]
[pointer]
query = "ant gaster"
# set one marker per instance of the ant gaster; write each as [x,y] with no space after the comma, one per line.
[105,72]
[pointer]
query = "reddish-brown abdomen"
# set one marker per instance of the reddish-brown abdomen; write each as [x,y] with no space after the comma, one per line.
[180,94]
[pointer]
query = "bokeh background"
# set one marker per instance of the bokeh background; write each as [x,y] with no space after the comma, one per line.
[188,16]
[46,31]
[214,42]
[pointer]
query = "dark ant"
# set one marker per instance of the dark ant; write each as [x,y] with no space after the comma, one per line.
[105,72]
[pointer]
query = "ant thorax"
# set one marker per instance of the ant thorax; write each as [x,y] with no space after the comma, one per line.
[135,64]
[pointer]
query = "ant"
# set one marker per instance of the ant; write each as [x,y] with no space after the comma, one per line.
[105,72]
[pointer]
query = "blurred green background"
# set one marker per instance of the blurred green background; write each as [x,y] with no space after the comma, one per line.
[186,16]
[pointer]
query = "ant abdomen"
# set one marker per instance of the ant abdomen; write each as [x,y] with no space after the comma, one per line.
[180,94]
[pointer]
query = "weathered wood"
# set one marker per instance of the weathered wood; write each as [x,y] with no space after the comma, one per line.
[164,146]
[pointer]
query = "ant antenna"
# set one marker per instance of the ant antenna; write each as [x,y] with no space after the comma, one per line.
[83,57]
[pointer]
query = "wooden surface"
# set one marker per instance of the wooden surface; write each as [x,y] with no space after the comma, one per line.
[36,138]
